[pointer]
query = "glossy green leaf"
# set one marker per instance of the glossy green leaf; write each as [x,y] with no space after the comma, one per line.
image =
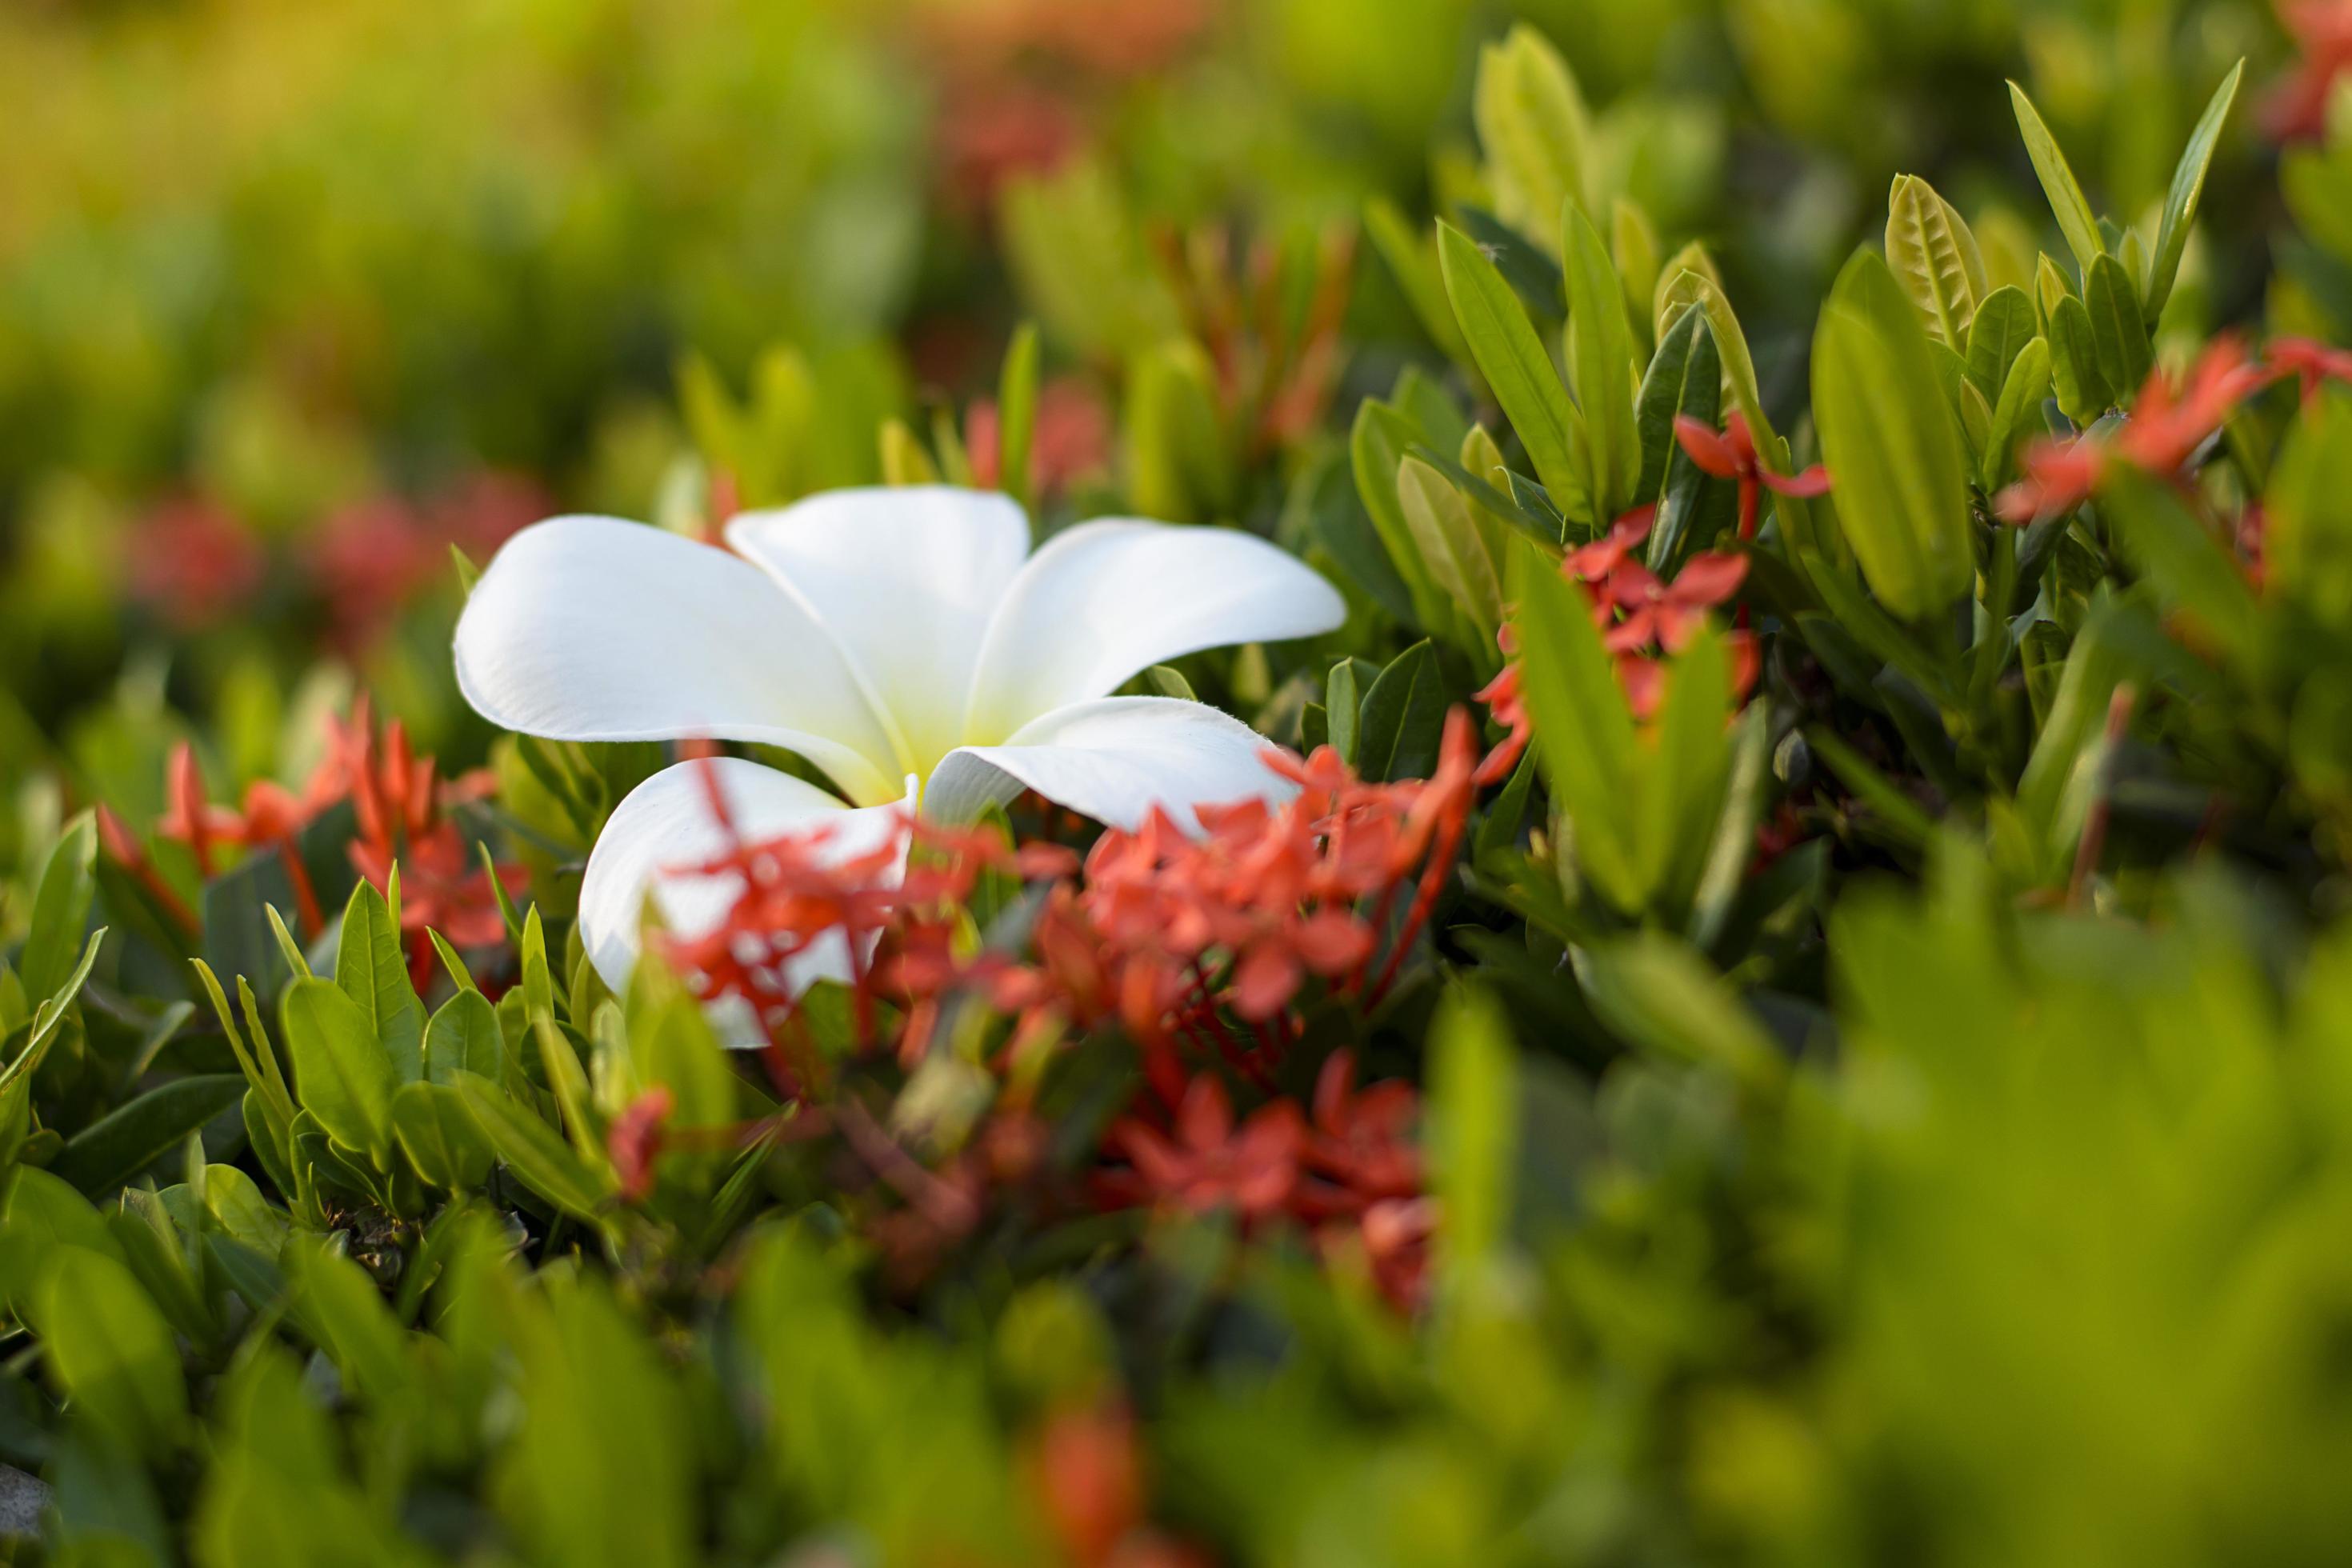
[2188,186]
[342,1074]
[2118,332]
[2004,325]
[1017,413]
[1601,355]
[1512,358]
[2018,413]
[464,1036]
[1583,731]
[2307,511]
[534,1152]
[1404,715]
[440,1136]
[60,916]
[2076,221]
[140,1132]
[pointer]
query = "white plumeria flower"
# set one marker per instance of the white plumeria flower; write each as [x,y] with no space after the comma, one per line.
[903,641]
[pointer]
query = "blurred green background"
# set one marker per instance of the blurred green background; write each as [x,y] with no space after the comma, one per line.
[294,295]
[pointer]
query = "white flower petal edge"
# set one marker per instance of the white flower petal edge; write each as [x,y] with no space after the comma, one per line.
[589,628]
[1113,760]
[1105,600]
[667,822]
[905,580]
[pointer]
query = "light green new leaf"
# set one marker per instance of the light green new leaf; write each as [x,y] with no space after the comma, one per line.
[1891,443]
[1450,544]
[1376,446]
[1935,257]
[1016,414]
[1601,355]
[1534,127]
[1512,359]
[2076,221]
[2181,201]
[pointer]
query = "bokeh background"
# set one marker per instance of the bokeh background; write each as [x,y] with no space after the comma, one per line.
[297,294]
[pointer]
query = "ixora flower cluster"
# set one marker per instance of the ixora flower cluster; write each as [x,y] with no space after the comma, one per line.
[399,819]
[1239,897]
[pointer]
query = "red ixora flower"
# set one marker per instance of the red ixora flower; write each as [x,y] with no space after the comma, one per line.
[2296,108]
[400,807]
[1732,455]
[1639,613]
[2165,428]
[1204,1162]
[194,562]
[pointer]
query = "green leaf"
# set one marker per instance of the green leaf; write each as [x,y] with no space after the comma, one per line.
[110,1350]
[48,1017]
[2188,186]
[1512,359]
[60,909]
[1405,249]
[1535,129]
[1376,446]
[2018,413]
[534,1152]
[1343,702]
[1017,413]
[1685,378]
[1662,998]
[2118,332]
[1583,731]
[1403,717]
[440,1136]
[373,971]
[2004,325]
[339,1308]
[138,1132]
[342,1074]
[1683,776]
[43,1213]
[1452,549]
[2307,510]
[1473,1135]
[465,1038]
[2082,387]
[238,1207]
[2191,570]
[1601,355]
[1934,258]
[1893,448]
[2076,221]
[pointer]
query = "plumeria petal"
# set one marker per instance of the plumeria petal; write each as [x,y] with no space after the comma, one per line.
[666,823]
[1107,599]
[589,628]
[906,579]
[1113,760]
